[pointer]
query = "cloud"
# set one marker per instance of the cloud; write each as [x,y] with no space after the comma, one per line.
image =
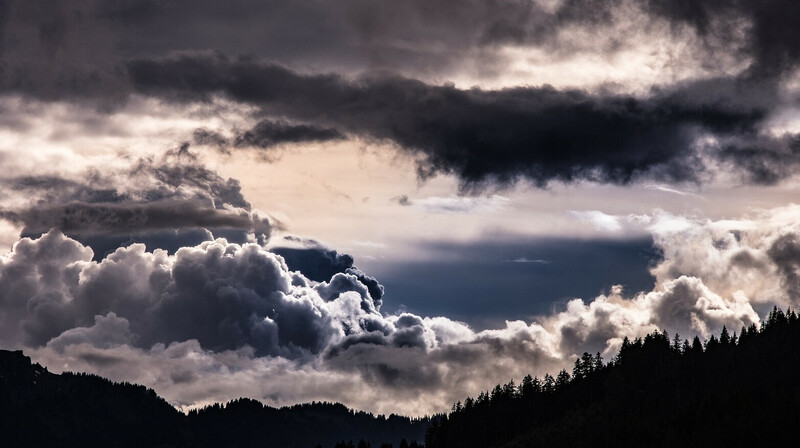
[166,202]
[370,244]
[772,39]
[666,189]
[320,263]
[688,130]
[684,305]
[267,134]
[600,220]
[403,200]
[752,256]
[75,50]
[107,331]
[220,320]
[459,204]
[238,305]
[679,133]
[224,295]
[297,320]
[79,217]
[529,260]
[213,319]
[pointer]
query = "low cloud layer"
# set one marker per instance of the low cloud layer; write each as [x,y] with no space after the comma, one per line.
[220,320]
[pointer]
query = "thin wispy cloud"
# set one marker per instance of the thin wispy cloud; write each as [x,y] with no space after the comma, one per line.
[666,189]
[458,204]
[599,220]
[370,244]
[529,260]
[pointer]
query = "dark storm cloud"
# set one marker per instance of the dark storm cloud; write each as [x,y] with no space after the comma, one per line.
[77,47]
[541,134]
[223,295]
[267,134]
[320,264]
[110,50]
[764,159]
[773,38]
[74,49]
[208,137]
[168,224]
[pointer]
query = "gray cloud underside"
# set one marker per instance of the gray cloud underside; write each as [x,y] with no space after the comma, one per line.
[108,50]
[541,134]
[319,263]
[165,202]
[87,38]
[266,134]
[210,321]
[57,49]
[773,40]
[76,217]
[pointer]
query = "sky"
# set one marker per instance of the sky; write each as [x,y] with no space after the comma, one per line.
[389,204]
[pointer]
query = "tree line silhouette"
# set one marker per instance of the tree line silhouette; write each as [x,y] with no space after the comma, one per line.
[734,389]
[39,408]
[731,390]
[364,444]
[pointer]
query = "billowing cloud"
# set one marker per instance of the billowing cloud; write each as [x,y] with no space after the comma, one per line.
[223,295]
[219,316]
[754,256]
[320,263]
[231,303]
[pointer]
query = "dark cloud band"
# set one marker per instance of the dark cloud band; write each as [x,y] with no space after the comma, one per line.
[536,133]
[267,134]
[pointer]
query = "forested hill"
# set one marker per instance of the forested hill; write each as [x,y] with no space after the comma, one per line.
[732,390]
[740,389]
[39,409]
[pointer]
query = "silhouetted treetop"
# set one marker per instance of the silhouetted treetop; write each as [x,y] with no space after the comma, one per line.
[38,409]
[730,390]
